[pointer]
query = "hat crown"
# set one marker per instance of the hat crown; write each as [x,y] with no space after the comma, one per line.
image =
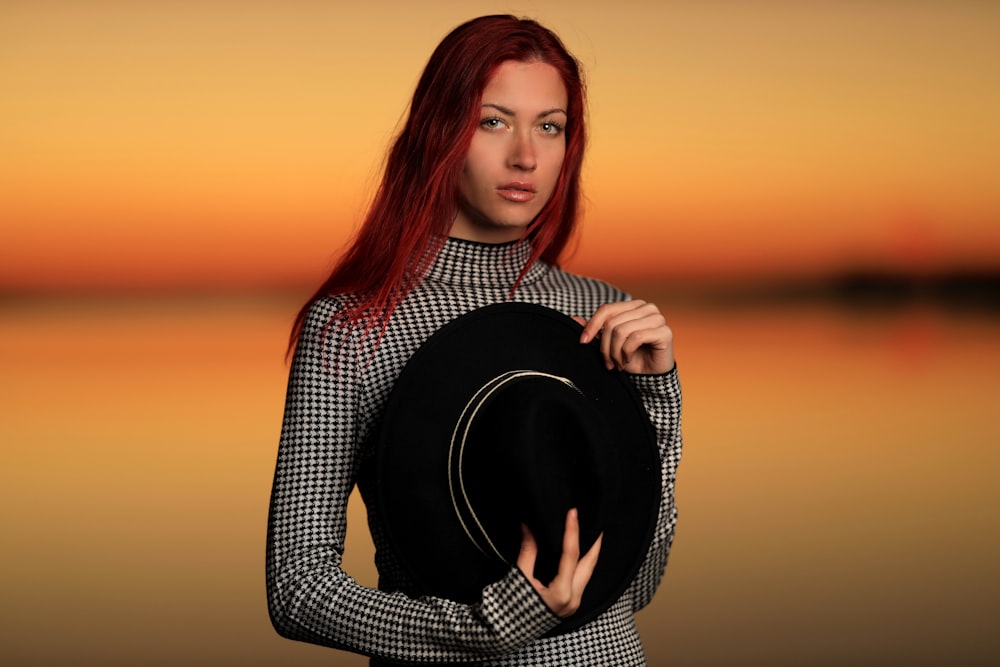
[528,448]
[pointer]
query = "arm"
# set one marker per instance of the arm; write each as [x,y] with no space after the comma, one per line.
[661,395]
[635,339]
[310,598]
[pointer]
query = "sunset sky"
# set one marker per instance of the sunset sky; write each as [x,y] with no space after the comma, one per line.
[229,144]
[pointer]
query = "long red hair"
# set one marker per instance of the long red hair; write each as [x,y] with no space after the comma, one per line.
[417,199]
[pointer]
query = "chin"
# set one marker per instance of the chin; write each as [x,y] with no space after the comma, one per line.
[520,222]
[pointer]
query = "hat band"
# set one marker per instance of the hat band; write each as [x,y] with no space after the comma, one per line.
[459,498]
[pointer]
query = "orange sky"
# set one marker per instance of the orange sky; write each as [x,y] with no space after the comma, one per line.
[234,143]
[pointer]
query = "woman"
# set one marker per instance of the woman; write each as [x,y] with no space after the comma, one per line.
[478,200]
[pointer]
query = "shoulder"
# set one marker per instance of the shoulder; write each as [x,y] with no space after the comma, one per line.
[588,286]
[327,331]
[321,311]
[570,293]
[320,314]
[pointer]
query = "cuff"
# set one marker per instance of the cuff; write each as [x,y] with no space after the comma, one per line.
[514,608]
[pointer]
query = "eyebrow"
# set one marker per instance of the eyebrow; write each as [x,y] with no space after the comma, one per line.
[511,112]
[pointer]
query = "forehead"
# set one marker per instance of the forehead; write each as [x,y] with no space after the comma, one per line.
[526,87]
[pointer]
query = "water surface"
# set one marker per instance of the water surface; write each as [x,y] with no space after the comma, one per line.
[838,502]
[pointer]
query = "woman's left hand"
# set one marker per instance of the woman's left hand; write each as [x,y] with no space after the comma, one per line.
[634,337]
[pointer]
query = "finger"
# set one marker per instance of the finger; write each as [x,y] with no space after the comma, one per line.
[571,542]
[648,348]
[592,326]
[650,327]
[585,568]
[559,593]
[612,316]
[616,318]
[600,316]
[571,592]
[606,346]
[620,329]
[570,554]
[528,553]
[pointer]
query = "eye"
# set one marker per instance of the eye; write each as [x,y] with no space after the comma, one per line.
[492,123]
[551,127]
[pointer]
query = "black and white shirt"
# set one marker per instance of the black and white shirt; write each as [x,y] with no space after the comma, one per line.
[337,389]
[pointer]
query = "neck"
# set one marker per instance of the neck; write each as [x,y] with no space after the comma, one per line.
[473,263]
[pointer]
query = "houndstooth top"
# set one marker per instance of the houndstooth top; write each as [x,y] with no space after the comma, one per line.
[338,386]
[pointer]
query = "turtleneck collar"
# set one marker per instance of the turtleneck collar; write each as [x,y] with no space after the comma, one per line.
[473,264]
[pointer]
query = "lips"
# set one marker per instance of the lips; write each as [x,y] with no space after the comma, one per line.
[517,191]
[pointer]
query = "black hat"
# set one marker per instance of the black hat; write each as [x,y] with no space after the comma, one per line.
[503,417]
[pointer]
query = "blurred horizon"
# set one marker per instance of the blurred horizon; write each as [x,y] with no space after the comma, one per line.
[964,288]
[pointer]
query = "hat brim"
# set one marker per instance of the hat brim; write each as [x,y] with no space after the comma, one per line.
[411,465]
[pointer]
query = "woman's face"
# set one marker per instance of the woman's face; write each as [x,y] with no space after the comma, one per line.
[516,153]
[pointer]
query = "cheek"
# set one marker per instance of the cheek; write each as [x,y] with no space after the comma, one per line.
[473,184]
[474,169]
[470,180]
[556,158]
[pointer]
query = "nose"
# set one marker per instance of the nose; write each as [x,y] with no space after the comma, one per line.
[522,152]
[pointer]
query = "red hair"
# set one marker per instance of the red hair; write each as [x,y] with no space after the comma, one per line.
[416,202]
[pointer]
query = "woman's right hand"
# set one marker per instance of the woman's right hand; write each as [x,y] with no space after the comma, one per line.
[564,592]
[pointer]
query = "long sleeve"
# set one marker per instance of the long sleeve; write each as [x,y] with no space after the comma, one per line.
[661,396]
[336,393]
[310,597]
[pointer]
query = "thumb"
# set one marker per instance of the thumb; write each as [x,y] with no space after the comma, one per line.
[529,552]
